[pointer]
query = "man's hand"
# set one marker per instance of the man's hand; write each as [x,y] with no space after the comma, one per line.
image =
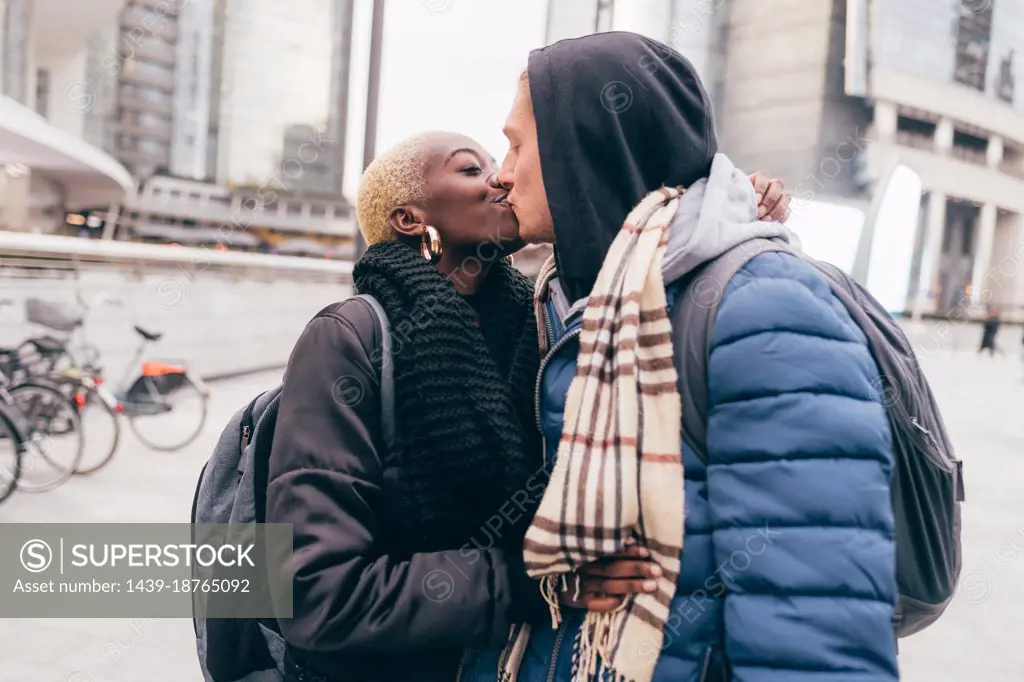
[772,199]
[604,584]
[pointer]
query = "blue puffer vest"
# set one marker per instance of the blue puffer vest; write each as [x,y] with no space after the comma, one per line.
[788,572]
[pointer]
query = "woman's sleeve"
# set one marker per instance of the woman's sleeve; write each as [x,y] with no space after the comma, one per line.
[325,480]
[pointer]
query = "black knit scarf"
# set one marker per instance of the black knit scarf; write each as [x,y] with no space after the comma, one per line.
[464,393]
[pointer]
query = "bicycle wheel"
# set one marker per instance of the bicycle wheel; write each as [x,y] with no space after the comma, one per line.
[54,441]
[166,412]
[11,445]
[101,426]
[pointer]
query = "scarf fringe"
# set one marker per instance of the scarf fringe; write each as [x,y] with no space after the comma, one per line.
[550,586]
[595,646]
[590,652]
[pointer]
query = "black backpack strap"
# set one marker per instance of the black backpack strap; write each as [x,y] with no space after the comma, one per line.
[192,530]
[693,318]
[387,372]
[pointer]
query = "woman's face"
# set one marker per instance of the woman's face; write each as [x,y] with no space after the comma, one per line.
[464,208]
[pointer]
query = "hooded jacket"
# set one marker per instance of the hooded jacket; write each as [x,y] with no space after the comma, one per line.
[788,571]
[617,115]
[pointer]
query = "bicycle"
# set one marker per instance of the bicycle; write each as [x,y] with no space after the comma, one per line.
[72,369]
[162,388]
[37,419]
[12,446]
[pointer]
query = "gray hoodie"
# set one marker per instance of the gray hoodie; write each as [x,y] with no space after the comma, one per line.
[715,214]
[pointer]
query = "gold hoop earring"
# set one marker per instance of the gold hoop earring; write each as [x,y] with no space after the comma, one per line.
[430,244]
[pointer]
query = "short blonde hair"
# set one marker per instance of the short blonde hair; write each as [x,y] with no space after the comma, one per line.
[396,177]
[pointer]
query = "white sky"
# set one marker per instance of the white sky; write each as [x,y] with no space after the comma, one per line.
[447,64]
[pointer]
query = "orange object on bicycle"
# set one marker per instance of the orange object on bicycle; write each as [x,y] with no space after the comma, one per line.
[153,368]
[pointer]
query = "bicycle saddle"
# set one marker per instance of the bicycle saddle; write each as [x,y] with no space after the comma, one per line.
[149,336]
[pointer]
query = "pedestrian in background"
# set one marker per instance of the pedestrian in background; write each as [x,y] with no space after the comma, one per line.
[989,331]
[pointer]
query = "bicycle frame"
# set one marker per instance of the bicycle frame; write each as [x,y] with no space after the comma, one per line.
[131,369]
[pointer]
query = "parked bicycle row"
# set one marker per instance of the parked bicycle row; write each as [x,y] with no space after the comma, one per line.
[60,417]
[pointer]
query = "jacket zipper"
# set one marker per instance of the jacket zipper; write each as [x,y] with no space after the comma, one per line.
[707,664]
[554,346]
[458,674]
[554,652]
[568,336]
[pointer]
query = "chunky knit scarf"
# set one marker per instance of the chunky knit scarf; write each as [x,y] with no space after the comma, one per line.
[464,402]
[618,477]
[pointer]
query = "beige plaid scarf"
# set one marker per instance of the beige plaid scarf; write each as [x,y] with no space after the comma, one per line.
[618,477]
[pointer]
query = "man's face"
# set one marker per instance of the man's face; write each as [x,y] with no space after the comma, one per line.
[520,172]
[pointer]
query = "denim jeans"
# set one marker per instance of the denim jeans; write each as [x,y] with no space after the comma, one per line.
[547,648]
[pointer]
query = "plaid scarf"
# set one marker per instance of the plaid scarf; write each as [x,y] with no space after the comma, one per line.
[618,476]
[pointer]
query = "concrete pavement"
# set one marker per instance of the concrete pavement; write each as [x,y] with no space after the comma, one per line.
[978,638]
[138,486]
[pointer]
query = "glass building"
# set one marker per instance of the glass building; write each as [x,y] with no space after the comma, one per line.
[277,71]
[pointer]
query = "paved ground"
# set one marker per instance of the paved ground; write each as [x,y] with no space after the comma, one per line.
[139,485]
[978,639]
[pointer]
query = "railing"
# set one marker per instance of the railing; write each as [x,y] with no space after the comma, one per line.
[48,252]
[974,156]
[223,313]
[915,140]
[164,81]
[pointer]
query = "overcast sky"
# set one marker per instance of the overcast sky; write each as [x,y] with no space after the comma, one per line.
[447,64]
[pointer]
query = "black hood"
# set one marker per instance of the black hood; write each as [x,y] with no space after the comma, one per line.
[618,115]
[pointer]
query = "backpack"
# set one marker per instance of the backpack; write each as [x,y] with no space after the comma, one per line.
[232,488]
[927,482]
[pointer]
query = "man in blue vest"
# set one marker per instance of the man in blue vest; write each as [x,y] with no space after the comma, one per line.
[788,572]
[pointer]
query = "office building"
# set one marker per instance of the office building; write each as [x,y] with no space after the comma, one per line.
[146,97]
[278,76]
[829,95]
[229,113]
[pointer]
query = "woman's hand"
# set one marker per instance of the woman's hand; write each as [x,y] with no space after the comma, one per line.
[772,199]
[604,584]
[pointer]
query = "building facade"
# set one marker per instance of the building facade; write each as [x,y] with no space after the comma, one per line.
[278,78]
[236,97]
[941,78]
[146,98]
[48,166]
[829,95]
[193,89]
[193,212]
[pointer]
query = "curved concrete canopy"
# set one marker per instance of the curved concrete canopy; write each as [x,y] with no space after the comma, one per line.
[89,176]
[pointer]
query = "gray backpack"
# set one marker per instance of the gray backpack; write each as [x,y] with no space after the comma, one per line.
[232,488]
[927,483]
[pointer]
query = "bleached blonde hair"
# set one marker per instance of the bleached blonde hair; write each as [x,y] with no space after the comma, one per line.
[395,178]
